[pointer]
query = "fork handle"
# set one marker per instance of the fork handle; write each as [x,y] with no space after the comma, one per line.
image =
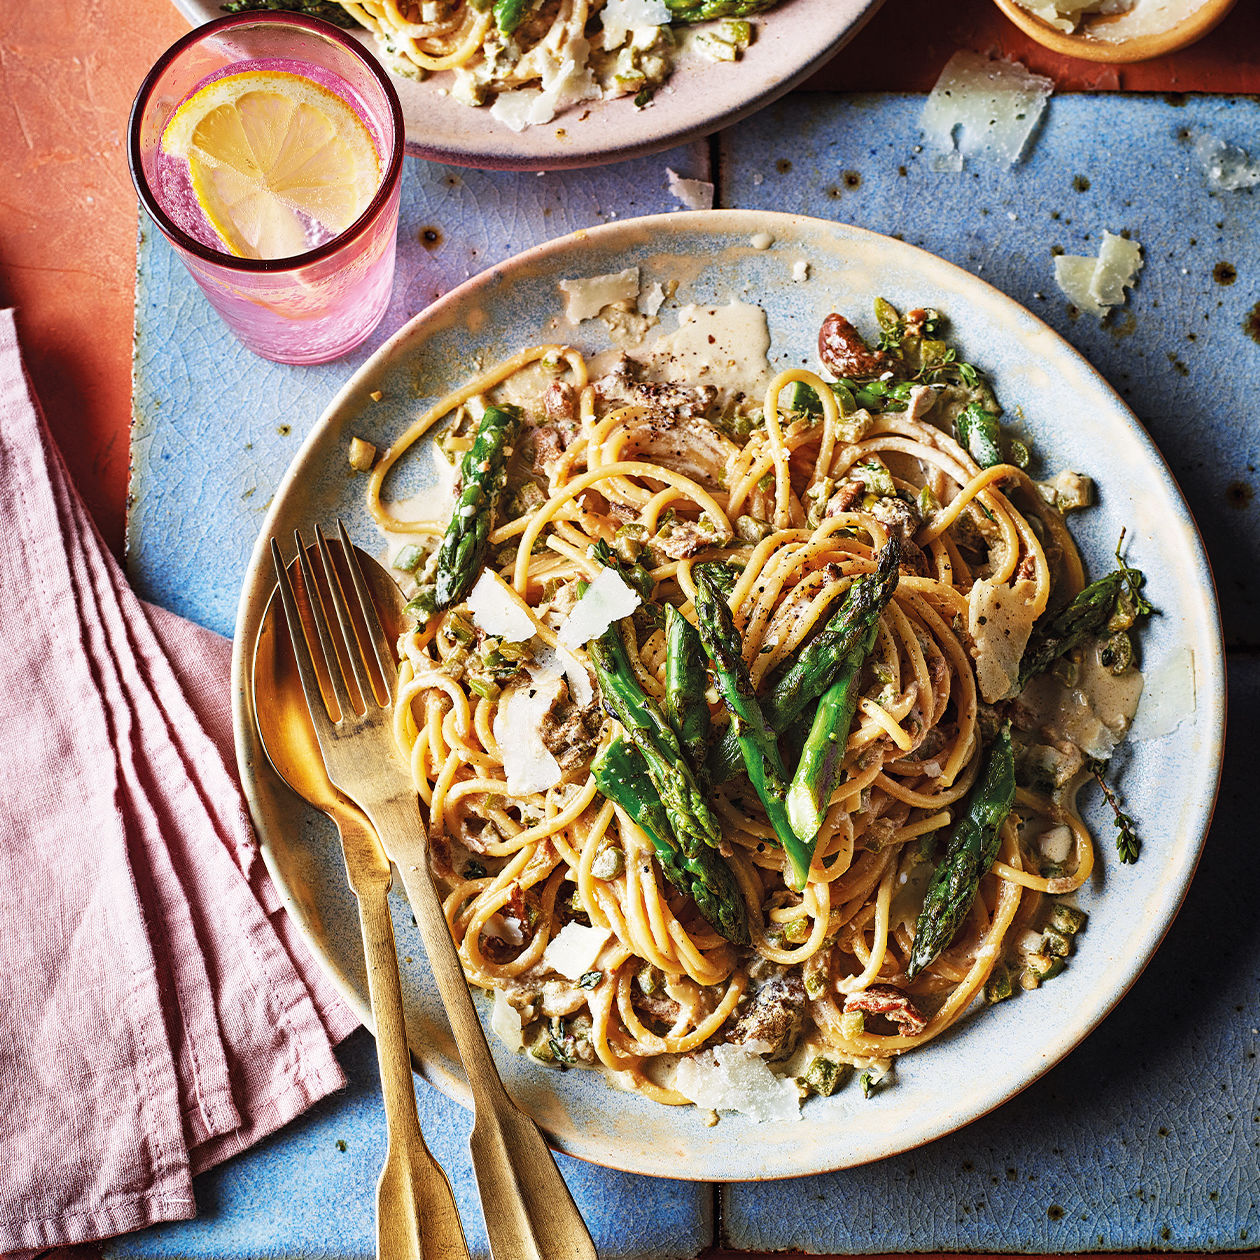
[529,1211]
[416,1216]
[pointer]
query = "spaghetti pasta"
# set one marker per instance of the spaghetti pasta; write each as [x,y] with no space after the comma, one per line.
[790,499]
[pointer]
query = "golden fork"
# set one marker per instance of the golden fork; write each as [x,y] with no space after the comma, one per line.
[416,1215]
[529,1212]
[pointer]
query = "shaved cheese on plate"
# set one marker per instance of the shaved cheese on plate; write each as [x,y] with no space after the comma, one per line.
[527,762]
[620,17]
[651,298]
[505,1022]
[606,600]
[695,194]
[1119,261]
[1168,697]
[993,106]
[999,620]
[584,299]
[563,662]
[573,950]
[496,612]
[729,1078]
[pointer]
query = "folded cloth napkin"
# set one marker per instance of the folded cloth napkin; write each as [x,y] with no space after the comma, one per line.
[158,1012]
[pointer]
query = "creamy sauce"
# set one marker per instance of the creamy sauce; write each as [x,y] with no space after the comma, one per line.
[1094,714]
[726,346]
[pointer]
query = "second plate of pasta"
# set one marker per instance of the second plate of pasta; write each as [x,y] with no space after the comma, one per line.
[774,631]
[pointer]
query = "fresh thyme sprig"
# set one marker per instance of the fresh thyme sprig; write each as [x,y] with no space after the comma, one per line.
[1127,843]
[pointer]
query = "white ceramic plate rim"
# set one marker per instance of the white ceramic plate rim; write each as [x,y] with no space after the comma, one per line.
[791,44]
[1210,699]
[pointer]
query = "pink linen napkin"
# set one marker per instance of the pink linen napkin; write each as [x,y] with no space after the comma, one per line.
[158,1012]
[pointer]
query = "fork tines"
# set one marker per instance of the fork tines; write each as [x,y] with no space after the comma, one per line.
[343,663]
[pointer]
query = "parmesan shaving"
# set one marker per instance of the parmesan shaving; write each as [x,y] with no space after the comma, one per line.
[651,299]
[1227,167]
[1168,697]
[505,1022]
[695,194]
[574,950]
[983,108]
[729,1078]
[1074,273]
[1095,285]
[527,762]
[1119,261]
[495,611]
[620,18]
[584,299]
[606,599]
[999,620]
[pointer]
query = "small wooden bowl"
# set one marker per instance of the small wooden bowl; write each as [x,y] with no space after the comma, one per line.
[1137,48]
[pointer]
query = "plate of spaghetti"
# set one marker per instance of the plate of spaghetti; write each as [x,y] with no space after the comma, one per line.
[804,649]
[548,84]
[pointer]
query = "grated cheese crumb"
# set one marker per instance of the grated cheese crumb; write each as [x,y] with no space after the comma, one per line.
[1227,167]
[993,106]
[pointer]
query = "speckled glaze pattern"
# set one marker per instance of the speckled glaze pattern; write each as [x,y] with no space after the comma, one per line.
[988,1058]
[700,96]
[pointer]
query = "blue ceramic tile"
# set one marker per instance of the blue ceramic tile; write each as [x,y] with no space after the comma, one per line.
[215,427]
[1147,1138]
[300,1195]
[1179,353]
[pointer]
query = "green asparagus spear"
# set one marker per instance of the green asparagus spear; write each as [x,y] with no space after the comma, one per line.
[509,14]
[685,684]
[708,10]
[822,759]
[978,433]
[481,478]
[818,663]
[973,845]
[622,776]
[690,818]
[1086,615]
[758,743]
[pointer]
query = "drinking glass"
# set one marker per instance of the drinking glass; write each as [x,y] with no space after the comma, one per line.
[316,305]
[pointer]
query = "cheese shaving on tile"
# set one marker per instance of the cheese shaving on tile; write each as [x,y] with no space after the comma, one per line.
[496,612]
[1095,285]
[574,949]
[1227,167]
[695,194]
[505,1022]
[983,108]
[527,762]
[606,599]
[729,1078]
[585,298]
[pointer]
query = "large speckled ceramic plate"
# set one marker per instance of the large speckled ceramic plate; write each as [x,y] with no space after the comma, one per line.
[701,96]
[1072,418]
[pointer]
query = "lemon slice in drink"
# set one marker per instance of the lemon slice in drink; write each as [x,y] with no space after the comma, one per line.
[271,155]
